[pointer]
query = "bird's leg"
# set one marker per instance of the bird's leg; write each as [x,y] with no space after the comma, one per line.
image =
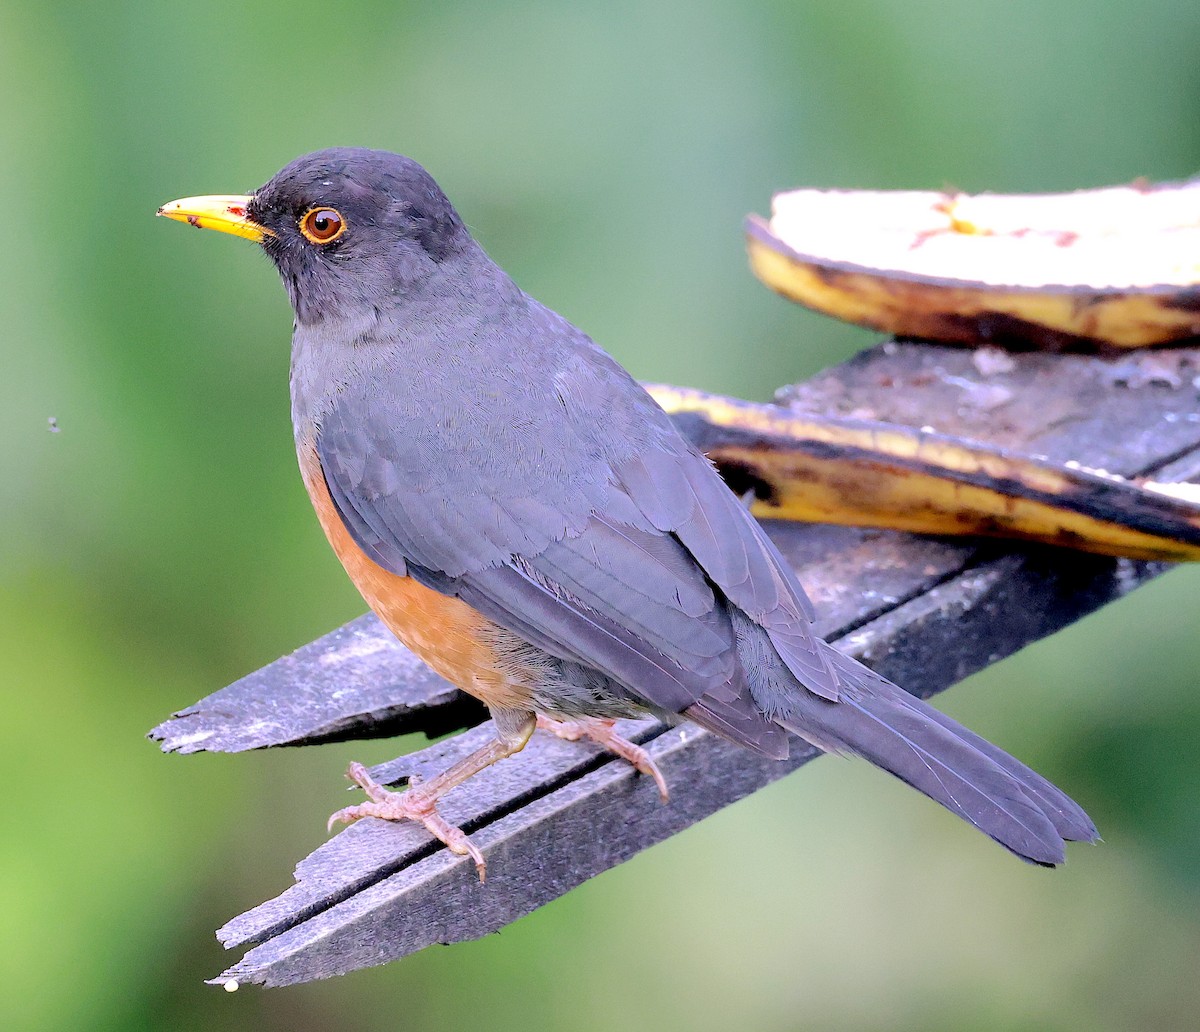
[419,802]
[600,731]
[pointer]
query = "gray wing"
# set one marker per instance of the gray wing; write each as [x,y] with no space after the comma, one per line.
[680,492]
[606,561]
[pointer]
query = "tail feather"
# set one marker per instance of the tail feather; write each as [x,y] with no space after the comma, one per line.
[938,763]
[1067,816]
[899,733]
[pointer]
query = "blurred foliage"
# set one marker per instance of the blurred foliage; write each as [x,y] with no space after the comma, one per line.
[159,545]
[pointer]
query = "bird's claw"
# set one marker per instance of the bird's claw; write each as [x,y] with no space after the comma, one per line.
[411,805]
[601,732]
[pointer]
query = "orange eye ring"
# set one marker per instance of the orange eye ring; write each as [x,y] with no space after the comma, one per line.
[322,225]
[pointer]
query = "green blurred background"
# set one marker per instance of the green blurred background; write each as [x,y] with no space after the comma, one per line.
[160,545]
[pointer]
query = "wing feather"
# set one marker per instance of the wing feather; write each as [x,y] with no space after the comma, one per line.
[735,552]
[613,566]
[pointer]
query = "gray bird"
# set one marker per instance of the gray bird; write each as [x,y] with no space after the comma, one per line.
[526,519]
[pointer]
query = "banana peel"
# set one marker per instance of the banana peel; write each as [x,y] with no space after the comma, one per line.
[875,474]
[1094,269]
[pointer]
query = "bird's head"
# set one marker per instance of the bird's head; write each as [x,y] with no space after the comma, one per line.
[347,228]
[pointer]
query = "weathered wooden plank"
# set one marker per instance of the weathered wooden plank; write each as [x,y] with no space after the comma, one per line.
[925,612]
[355,682]
[379,891]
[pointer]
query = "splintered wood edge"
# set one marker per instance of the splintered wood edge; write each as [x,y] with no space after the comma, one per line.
[355,682]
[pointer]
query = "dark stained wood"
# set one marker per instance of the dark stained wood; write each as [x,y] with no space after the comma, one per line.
[355,682]
[924,612]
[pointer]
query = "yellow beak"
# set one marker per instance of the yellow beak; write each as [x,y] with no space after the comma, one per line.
[225,213]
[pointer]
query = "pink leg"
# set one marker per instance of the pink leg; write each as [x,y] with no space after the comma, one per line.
[600,731]
[419,802]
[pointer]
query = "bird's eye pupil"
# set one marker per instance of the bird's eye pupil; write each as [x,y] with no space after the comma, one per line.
[322,225]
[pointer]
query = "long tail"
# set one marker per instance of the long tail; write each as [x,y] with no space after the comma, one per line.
[969,776]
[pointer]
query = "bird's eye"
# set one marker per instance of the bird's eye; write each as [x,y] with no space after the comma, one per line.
[322,225]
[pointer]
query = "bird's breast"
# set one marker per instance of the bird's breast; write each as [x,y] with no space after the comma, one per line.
[454,639]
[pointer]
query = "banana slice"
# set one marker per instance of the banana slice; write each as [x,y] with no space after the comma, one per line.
[1117,267]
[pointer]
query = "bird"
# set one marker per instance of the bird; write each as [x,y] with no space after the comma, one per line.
[525,518]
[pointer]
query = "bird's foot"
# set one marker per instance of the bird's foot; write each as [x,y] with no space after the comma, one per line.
[601,732]
[417,804]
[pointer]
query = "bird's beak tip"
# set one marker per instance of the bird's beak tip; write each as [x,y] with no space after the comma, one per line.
[224,213]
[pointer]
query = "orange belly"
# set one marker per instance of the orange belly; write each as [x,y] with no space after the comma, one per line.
[443,631]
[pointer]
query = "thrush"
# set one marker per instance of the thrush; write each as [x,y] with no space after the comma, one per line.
[524,517]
